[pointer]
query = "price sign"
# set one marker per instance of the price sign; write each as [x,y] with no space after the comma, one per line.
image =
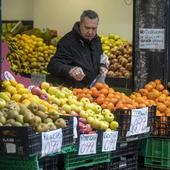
[8,76]
[51,142]
[87,144]
[109,141]
[139,122]
[75,127]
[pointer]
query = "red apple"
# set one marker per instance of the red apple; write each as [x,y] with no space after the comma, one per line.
[36,91]
[83,120]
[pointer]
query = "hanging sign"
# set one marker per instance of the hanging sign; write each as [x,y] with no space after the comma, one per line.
[139,122]
[150,38]
[51,142]
[87,144]
[109,141]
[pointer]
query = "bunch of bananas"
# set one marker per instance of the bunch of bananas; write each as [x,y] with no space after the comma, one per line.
[29,54]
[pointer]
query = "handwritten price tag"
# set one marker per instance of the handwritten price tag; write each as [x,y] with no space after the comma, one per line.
[75,135]
[51,142]
[87,144]
[109,141]
[139,121]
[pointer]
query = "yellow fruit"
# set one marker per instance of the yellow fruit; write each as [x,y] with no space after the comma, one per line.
[16,97]
[11,89]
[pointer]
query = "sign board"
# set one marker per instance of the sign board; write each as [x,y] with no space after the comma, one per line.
[150,38]
[87,144]
[109,141]
[139,122]
[51,142]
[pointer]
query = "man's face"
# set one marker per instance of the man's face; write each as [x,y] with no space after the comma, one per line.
[88,28]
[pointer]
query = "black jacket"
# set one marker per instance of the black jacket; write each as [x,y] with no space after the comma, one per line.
[73,50]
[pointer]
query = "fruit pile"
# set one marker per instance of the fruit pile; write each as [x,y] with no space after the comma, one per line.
[29,54]
[119,53]
[154,93]
[105,96]
[47,103]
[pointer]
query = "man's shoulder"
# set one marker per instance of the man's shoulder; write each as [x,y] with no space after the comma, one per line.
[67,37]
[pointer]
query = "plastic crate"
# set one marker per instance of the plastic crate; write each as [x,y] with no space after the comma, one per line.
[18,163]
[19,141]
[162,128]
[142,147]
[124,119]
[158,153]
[73,160]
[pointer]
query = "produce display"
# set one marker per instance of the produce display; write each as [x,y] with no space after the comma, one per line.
[119,53]
[29,54]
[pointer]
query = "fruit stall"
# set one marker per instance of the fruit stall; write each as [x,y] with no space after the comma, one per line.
[123,123]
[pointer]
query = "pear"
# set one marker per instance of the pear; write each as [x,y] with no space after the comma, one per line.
[26,124]
[42,127]
[20,118]
[33,107]
[41,108]
[28,117]
[47,120]
[2,119]
[24,110]
[12,114]
[60,123]
[10,121]
[41,114]
[51,126]
[35,121]
[16,124]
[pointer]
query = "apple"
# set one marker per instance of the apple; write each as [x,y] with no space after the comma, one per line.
[2,103]
[99,116]
[63,101]
[97,108]
[90,119]
[104,125]
[114,125]
[109,117]
[67,108]
[90,112]
[96,124]
[74,113]
[92,132]
[105,111]
[84,100]
[86,129]
[52,90]
[89,106]
[36,91]
[44,97]
[83,120]
[81,125]
[83,114]
[71,100]
[45,86]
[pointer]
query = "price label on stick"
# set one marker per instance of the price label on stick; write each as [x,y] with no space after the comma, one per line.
[51,142]
[87,144]
[109,141]
[139,122]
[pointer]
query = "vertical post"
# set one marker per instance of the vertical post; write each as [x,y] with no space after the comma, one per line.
[0,41]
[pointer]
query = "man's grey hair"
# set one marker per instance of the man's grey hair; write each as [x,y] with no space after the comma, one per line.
[90,14]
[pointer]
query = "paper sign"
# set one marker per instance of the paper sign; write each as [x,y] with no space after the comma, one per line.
[139,122]
[8,76]
[51,142]
[151,38]
[87,144]
[75,127]
[109,141]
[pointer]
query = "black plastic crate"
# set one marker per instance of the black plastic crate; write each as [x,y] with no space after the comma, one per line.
[124,119]
[162,127]
[19,141]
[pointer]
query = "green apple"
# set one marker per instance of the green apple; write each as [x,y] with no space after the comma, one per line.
[104,125]
[4,96]
[89,106]
[109,117]
[90,119]
[53,90]
[109,130]
[83,114]
[45,86]
[97,108]
[96,124]
[71,100]
[114,125]
[90,112]
[105,111]
[84,100]
[63,101]
[2,103]
[67,108]
[99,116]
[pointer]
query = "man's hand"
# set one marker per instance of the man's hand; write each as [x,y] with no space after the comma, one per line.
[103,70]
[77,73]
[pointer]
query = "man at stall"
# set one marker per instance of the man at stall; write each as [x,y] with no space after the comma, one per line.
[79,59]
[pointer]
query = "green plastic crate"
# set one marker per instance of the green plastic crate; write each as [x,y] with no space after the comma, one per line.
[158,153]
[72,160]
[142,147]
[18,163]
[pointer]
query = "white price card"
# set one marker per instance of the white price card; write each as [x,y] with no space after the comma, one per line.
[139,122]
[109,141]
[87,144]
[51,142]
[8,76]
[75,127]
